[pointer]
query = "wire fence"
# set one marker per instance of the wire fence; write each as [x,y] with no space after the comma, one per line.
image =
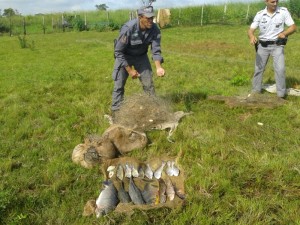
[235,14]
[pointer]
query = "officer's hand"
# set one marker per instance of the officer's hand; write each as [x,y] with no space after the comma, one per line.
[160,72]
[281,35]
[253,40]
[134,74]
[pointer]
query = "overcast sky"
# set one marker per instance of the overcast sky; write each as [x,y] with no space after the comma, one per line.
[27,7]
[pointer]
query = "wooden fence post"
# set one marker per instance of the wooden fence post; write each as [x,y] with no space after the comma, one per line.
[202,16]
[85,23]
[10,25]
[247,16]
[24,26]
[44,28]
[62,23]
[107,17]
[225,11]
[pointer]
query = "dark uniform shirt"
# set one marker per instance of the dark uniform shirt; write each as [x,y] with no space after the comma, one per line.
[133,42]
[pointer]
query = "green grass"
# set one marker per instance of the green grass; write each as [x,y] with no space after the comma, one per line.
[53,95]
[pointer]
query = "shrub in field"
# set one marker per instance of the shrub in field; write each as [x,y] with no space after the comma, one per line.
[78,24]
[240,80]
[4,28]
[105,26]
[24,43]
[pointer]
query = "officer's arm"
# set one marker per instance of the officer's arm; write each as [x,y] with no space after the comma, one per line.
[290,30]
[252,36]
[120,48]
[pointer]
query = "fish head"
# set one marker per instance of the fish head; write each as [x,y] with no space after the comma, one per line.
[99,211]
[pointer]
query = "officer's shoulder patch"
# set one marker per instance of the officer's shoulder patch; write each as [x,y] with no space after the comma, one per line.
[260,12]
[283,9]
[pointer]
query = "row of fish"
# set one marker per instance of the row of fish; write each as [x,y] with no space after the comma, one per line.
[153,193]
[130,171]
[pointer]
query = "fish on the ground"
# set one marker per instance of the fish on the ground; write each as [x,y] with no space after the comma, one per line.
[172,169]
[134,171]
[127,171]
[169,170]
[141,172]
[157,173]
[110,171]
[150,193]
[107,200]
[170,190]
[162,191]
[175,169]
[148,171]
[180,193]
[135,194]
[120,172]
[122,194]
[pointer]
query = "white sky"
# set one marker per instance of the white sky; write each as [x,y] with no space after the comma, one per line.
[31,7]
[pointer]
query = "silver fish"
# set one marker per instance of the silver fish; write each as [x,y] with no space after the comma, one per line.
[157,173]
[107,200]
[134,171]
[148,172]
[123,195]
[169,169]
[120,172]
[141,172]
[175,169]
[162,191]
[111,171]
[127,171]
[110,168]
[180,193]
[135,194]
[170,189]
[150,194]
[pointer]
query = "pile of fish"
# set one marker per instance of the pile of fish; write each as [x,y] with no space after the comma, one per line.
[138,184]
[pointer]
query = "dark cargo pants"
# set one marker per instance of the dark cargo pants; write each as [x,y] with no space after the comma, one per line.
[120,75]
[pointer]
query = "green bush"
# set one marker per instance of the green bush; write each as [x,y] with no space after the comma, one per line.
[78,24]
[240,80]
[24,43]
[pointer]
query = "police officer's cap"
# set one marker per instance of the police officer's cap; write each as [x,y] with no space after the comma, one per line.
[146,11]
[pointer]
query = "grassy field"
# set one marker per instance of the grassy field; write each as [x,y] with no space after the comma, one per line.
[56,91]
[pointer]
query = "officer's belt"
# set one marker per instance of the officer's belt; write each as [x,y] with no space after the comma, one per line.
[267,42]
[279,41]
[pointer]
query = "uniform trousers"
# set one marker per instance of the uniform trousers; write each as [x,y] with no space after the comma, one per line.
[262,56]
[120,75]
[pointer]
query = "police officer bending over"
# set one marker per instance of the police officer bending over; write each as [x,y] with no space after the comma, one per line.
[272,37]
[131,57]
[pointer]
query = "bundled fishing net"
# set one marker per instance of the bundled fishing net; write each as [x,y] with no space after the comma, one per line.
[143,112]
[253,101]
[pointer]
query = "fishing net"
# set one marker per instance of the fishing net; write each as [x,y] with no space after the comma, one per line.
[253,101]
[143,112]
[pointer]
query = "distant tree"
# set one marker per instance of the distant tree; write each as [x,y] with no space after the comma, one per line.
[102,7]
[9,12]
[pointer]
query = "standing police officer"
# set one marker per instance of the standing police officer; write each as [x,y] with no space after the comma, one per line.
[272,37]
[131,57]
